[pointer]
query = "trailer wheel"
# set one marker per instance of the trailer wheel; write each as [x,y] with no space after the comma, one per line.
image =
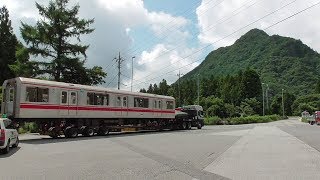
[189,125]
[103,131]
[88,132]
[184,125]
[74,132]
[70,132]
[52,132]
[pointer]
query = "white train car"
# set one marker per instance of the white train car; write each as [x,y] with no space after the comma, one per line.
[72,108]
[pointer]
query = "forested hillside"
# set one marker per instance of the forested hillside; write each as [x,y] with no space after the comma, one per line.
[281,62]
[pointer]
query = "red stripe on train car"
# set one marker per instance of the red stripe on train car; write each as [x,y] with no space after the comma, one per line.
[88,108]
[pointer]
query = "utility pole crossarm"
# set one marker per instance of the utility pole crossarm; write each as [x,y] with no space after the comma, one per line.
[119,60]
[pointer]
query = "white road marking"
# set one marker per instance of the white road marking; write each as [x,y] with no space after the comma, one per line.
[266,152]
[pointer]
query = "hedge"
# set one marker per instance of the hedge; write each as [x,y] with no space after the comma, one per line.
[242,120]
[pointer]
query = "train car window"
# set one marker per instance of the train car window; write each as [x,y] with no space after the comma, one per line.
[169,104]
[64,97]
[35,94]
[98,99]
[106,100]
[118,103]
[73,97]
[155,104]
[11,95]
[141,102]
[43,95]
[160,105]
[90,98]
[31,94]
[124,102]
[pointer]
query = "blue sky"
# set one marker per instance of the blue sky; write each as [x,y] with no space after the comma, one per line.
[168,36]
[182,8]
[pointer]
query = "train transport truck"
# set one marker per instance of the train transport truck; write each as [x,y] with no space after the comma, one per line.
[71,109]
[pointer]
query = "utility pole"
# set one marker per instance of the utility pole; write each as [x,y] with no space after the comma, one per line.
[198,89]
[119,60]
[267,98]
[132,72]
[179,75]
[262,100]
[282,104]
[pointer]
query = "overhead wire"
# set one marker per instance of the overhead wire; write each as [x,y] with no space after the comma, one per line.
[143,40]
[272,12]
[206,30]
[166,31]
[241,29]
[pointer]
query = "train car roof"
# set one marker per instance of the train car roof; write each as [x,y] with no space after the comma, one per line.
[85,87]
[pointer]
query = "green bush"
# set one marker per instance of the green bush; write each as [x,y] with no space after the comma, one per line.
[305,120]
[254,119]
[212,120]
[28,127]
[242,120]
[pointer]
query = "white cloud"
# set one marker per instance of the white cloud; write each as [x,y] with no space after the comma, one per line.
[221,21]
[162,62]
[114,21]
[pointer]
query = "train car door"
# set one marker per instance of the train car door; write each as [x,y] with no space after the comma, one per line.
[118,105]
[64,103]
[159,108]
[155,107]
[124,111]
[73,103]
[8,99]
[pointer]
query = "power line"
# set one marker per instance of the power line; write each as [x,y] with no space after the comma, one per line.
[247,26]
[181,42]
[112,80]
[165,31]
[293,15]
[176,14]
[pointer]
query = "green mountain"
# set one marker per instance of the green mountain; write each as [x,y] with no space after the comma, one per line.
[282,62]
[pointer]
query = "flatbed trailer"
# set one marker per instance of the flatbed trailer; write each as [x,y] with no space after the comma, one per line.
[71,109]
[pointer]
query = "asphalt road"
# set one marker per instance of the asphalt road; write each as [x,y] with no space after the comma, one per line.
[285,149]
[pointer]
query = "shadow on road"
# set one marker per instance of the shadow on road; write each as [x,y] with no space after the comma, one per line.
[11,152]
[81,138]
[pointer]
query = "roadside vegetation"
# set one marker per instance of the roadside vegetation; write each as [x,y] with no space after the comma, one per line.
[28,127]
[305,120]
[241,120]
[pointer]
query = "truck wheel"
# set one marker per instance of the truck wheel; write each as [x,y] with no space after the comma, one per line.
[189,125]
[184,125]
[7,149]
[199,126]
[88,132]
[16,144]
